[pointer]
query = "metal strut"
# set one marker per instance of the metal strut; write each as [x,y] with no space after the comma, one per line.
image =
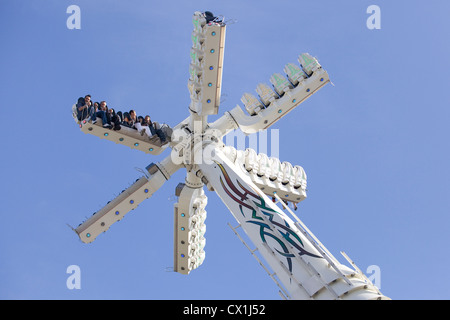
[308,266]
[283,293]
[315,242]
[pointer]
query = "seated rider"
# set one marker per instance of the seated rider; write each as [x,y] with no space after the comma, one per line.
[159,132]
[85,108]
[146,126]
[102,113]
[113,119]
[133,118]
[126,120]
[150,128]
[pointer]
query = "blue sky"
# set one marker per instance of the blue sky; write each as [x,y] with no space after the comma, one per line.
[374,145]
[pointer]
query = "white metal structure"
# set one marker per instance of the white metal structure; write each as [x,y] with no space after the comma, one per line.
[246,182]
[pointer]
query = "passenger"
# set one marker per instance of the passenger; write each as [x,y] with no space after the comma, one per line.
[103,106]
[146,127]
[159,132]
[109,114]
[133,118]
[85,108]
[101,113]
[150,124]
[120,115]
[126,121]
[114,119]
[209,16]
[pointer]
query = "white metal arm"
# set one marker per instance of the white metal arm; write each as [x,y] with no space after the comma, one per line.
[126,136]
[270,175]
[189,228]
[128,200]
[277,106]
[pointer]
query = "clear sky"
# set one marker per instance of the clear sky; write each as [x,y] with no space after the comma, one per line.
[375,146]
